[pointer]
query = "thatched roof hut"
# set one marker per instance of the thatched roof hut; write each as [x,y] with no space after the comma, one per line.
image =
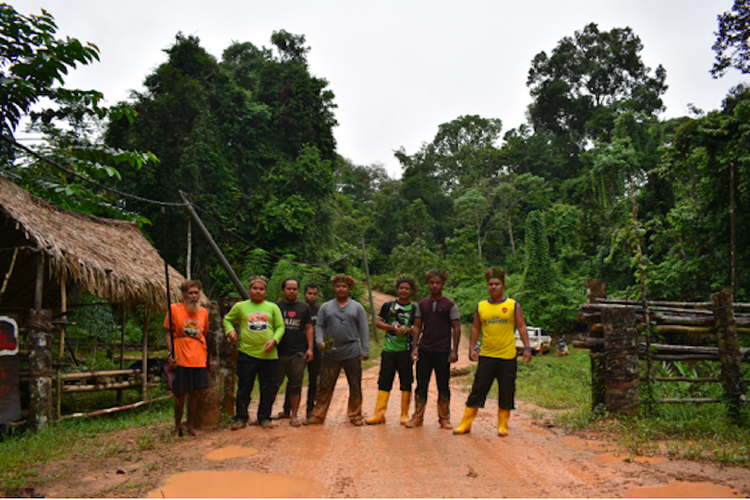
[110,259]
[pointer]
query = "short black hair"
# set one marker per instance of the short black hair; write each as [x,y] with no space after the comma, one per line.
[283,285]
[310,286]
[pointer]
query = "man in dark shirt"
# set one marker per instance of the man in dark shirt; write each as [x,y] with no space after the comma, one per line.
[296,347]
[436,336]
[313,367]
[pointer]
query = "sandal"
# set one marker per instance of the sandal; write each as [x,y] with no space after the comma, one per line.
[295,422]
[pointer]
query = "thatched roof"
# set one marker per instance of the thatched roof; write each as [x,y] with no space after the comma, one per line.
[110,259]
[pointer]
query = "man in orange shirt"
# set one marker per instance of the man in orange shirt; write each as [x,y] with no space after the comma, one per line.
[190,358]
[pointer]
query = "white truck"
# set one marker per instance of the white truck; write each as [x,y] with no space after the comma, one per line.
[538,340]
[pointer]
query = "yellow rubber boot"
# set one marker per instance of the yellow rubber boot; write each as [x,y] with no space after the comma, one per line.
[405,401]
[502,422]
[465,426]
[380,406]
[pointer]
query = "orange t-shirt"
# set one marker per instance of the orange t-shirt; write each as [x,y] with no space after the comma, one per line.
[189,339]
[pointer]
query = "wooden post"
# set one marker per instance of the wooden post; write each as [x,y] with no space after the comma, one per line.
[39,286]
[209,409]
[732,228]
[122,352]
[188,264]
[144,354]
[373,312]
[225,365]
[621,360]
[596,289]
[40,367]
[63,318]
[729,351]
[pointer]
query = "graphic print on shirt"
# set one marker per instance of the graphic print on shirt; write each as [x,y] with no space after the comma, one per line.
[497,320]
[291,321]
[191,327]
[257,321]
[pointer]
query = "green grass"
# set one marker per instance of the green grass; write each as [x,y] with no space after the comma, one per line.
[556,382]
[681,431]
[23,453]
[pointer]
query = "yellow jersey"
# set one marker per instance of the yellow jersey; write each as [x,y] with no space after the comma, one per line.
[498,323]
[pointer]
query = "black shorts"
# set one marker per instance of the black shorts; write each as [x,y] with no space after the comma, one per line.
[188,379]
[489,370]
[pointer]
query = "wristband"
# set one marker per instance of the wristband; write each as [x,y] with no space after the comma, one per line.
[527,348]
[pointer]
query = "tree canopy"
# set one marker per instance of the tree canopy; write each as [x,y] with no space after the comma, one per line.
[732,44]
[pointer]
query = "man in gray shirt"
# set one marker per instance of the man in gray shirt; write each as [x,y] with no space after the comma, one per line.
[343,332]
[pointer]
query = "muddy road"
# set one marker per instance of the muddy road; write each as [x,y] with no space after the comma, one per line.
[342,461]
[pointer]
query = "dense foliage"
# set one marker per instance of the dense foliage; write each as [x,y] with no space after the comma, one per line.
[33,65]
[594,175]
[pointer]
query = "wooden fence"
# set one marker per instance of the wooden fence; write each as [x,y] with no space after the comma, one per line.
[620,341]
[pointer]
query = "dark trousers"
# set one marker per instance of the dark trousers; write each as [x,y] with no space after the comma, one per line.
[329,373]
[248,368]
[313,370]
[392,362]
[489,370]
[439,362]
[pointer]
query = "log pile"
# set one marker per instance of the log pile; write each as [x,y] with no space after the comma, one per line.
[695,318]
[613,336]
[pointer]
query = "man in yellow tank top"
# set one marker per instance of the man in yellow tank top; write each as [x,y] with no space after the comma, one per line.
[497,318]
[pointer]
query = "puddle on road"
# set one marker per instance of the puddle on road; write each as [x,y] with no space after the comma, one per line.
[231,452]
[682,489]
[233,484]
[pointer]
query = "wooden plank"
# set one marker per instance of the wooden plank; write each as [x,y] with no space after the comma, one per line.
[100,373]
[106,387]
[115,409]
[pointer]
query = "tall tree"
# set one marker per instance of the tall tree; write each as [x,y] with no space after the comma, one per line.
[250,138]
[588,79]
[732,44]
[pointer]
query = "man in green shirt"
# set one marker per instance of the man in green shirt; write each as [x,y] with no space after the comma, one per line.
[396,318]
[261,329]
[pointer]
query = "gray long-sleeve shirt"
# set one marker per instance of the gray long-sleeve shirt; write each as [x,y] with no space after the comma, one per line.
[347,326]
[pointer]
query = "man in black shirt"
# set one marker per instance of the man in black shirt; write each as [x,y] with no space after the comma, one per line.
[296,347]
[313,367]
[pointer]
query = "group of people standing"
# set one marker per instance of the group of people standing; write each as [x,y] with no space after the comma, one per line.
[278,341]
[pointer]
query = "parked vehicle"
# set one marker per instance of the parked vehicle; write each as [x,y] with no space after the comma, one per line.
[539,341]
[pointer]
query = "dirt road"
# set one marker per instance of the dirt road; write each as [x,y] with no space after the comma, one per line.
[340,460]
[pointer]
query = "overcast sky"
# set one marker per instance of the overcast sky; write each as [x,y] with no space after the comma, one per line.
[399,68]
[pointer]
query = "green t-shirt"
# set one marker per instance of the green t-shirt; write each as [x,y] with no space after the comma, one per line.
[259,323]
[393,312]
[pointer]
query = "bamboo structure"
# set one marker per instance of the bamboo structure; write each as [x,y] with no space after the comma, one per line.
[45,248]
[715,321]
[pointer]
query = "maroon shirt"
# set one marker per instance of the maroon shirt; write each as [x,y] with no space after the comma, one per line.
[436,324]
